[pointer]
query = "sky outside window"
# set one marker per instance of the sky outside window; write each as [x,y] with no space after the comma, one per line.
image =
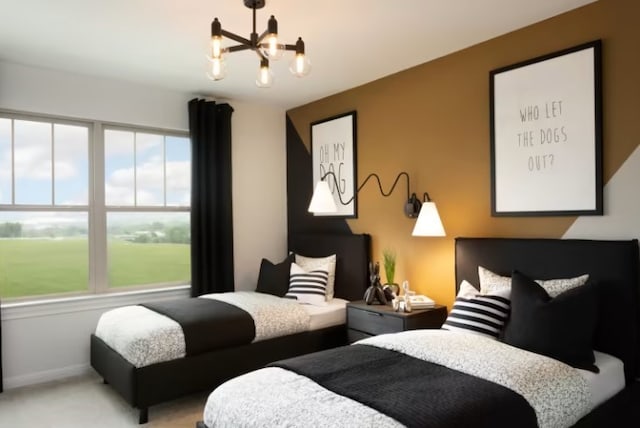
[161,168]
[32,162]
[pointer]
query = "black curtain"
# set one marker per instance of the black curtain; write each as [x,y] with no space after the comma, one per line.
[211,213]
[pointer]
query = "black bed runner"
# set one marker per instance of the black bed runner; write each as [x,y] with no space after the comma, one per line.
[414,392]
[207,324]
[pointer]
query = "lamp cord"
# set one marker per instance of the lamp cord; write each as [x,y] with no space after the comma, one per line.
[373,174]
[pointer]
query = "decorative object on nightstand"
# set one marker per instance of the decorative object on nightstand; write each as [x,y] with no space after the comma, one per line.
[375,291]
[389,263]
[369,320]
[410,300]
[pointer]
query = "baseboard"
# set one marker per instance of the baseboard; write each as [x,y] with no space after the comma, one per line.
[46,376]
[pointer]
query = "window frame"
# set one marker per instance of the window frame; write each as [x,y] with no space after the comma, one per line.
[96,208]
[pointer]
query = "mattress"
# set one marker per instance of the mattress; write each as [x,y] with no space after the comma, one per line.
[608,382]
[335,313]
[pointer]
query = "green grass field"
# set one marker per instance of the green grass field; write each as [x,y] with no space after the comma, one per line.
[37,267]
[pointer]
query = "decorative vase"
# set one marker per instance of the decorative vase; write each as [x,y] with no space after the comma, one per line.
[394,287]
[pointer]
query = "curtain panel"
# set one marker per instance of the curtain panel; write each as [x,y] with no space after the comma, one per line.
[211,198]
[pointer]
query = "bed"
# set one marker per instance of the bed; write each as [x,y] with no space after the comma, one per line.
[450,378]
[145,385]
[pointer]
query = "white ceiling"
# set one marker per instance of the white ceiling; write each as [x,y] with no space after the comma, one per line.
[163,42]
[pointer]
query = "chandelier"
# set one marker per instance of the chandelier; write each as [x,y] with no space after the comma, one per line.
[266,45]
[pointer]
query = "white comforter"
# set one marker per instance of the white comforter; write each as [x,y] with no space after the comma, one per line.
[145,337]
[276,397]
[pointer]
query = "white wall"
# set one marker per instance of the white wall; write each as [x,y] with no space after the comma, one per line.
[621,219]
[48,341]
[259,190]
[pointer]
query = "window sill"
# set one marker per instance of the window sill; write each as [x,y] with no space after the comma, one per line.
[92,302]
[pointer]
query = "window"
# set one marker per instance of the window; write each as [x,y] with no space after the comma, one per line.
[87,207]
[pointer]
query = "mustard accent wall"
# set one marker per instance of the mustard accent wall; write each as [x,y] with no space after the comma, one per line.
[432,121]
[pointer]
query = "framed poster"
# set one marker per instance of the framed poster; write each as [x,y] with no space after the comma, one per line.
[546,135]
[333,150]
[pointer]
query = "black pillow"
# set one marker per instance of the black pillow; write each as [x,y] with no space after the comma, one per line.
[562,328]
[274,279]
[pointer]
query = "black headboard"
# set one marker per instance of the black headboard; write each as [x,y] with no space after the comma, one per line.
[613,264]
[353,253]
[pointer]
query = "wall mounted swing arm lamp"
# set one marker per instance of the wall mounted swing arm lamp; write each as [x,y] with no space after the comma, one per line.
[266,45]
[428,223]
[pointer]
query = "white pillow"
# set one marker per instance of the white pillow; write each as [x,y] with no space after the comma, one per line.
[309,263]
[467,290]
[308,286]
[492,283]
[477,313]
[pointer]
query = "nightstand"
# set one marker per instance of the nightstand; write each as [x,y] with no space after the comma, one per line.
[369,320]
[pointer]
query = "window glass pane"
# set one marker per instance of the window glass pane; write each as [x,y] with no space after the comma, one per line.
[118,164]
[32,162]
[43,253]
[5,161]
[178,153]
[149,169]
[148,248]
[71,167]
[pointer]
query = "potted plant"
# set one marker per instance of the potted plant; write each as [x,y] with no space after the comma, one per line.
[389,263]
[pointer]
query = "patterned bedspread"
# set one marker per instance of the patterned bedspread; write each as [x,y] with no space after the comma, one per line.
[145,337]
[276,397]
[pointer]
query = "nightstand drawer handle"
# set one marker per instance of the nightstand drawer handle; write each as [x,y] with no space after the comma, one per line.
[375,314]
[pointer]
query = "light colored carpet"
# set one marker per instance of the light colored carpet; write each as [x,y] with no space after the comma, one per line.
[86,402]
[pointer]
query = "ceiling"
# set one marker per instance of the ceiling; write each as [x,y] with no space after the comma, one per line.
[164,42]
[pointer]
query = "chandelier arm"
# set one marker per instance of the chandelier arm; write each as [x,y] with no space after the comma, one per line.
[289,47]
[263,35]
[237,38]
[237,48]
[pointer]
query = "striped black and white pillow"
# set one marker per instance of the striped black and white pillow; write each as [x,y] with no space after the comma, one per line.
[481,314]
[308,286]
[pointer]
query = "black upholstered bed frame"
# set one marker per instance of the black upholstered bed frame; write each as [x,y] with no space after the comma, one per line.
[613,264]
[146,386]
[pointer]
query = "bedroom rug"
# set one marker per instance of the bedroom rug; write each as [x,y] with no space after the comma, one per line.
[86,401]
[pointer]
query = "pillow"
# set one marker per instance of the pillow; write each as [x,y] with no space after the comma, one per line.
[562,327]
[308,286]
[476,313]
[309,263]
[274,279]
[491,282]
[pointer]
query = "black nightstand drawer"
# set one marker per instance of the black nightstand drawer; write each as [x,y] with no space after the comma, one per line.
[369,320]
[355,335]
[373,322]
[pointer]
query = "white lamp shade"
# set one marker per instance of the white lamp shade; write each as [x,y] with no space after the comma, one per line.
[322,201]
[428,223]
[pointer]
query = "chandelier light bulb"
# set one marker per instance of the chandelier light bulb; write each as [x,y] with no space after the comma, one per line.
[216,47]
[265,77]
[300,66]
[218,69]
[272,49]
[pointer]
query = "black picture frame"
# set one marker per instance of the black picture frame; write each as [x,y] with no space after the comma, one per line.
[546,134]
[333,149]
